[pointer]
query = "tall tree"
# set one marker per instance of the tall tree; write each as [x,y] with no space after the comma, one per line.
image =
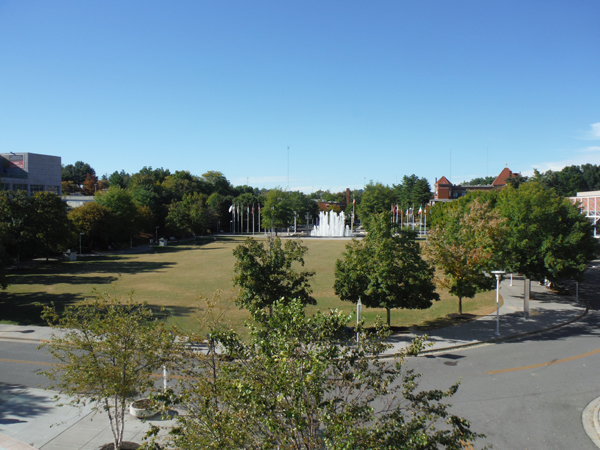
[120,179]
[190,215]
[548,238]
[277,211]
[96,222]
[385,270]
[264,273]
[77,172]
[376,199]
[125,210]
[16,218]
[465,244]
[50,223]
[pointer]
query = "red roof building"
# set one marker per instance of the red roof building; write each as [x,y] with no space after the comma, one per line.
[445,190]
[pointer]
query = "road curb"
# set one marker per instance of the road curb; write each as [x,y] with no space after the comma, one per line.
[590,421]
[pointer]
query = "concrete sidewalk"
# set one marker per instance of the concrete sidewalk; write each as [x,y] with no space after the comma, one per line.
[546,311]
[30,418]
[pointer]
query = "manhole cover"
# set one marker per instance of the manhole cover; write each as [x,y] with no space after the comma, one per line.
[451,363]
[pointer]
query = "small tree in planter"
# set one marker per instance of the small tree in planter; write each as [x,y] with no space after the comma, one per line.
[108,351]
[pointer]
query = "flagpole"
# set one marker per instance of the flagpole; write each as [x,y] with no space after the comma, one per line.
[248,218]
[426,223]
[252,219]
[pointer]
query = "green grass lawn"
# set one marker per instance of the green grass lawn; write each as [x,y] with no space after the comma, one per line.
[175,277]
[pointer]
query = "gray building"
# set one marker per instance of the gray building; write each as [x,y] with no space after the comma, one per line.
[30,172]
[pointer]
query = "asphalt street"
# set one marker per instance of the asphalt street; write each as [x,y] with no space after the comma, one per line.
[530,393]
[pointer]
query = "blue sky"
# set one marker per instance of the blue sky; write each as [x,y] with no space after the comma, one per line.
[358,90]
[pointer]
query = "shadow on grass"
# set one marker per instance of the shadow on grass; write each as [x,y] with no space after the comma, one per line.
[47,273]
[445,321]
[20,405]
[25,309]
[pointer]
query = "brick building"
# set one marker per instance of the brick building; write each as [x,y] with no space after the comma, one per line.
[444,190]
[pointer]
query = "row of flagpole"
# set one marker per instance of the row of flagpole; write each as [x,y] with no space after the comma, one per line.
[237,218]
[398,216]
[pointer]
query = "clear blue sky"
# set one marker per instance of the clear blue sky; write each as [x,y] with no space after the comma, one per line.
[358,90]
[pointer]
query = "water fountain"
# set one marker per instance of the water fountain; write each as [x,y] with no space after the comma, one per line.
[331,224]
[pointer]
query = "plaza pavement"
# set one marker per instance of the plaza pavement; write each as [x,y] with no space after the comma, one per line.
[30,419]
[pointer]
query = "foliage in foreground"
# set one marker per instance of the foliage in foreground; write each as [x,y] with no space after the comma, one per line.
[108,352]
[302,383]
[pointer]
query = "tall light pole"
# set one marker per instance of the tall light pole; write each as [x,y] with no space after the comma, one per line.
[288,186]
[358,308]
[156,236]
[80,234]
[498,274]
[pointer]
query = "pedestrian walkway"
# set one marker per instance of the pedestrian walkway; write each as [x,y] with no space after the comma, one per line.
[546,310]
[29,418]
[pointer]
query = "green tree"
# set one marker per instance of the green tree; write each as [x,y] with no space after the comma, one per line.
[516,180]
[217,182]
[125,210]
[277,211]
[77,172]
[376,199]
[385,270]
[300,384]
[50,222]
[548,238]
[479,181]
[190,215]
[468,242]
[264,273]
[16,218]
[108,352]
[120,179]
[96,222]
[218,211]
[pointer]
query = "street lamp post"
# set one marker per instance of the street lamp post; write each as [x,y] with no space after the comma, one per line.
[358,308]
[156,236]
[80,234]
[498,274]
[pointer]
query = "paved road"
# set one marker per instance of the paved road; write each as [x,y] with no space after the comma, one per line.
[527,394]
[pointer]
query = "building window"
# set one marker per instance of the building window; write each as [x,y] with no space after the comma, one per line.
[20,187]
[455,195]
[4,187]
[36,188]
[53,189]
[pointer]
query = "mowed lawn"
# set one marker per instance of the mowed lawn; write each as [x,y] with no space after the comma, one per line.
[176,277]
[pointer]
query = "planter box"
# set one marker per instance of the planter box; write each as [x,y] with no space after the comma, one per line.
[140,409]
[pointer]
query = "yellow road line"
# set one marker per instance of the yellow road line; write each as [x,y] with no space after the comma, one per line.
[27,362]
[467,445]
[550,363]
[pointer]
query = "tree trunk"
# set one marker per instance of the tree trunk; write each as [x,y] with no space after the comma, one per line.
[460,305]
[388,316]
